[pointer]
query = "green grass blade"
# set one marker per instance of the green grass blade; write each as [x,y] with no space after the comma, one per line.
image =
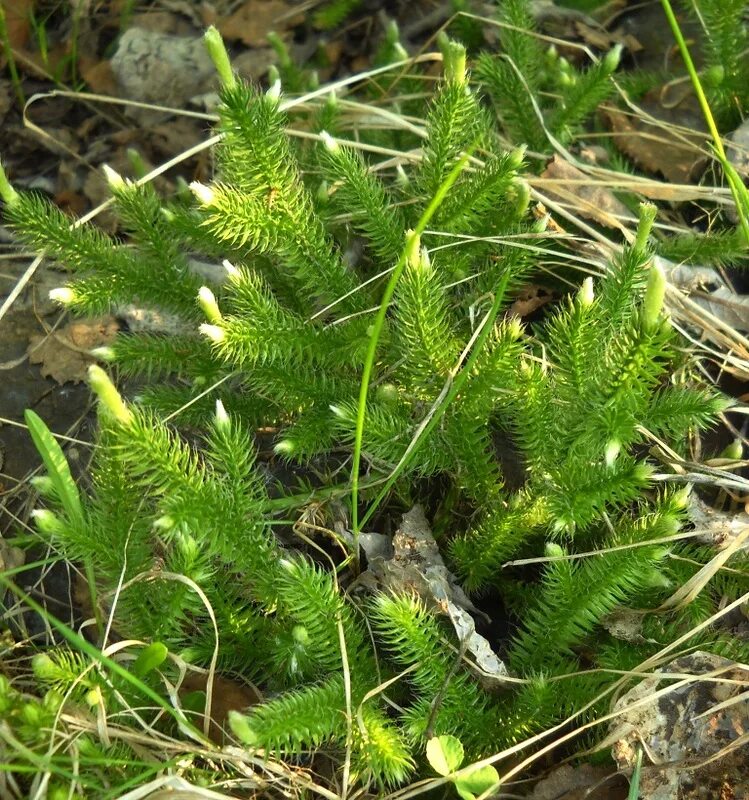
[738,190]
[81,644]
[57,466]
[374,338]
[634,783]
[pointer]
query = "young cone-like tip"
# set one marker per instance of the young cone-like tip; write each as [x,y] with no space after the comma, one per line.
[553,550]
[108,395]
[164,523]
[612,451]
[114,179]
[655,294]
[401,177]
[231,271]
[64,295]
[338,411]
[103,353]
[329,142]
[734,451]
[217,51]
[274,92]
[207,302]
[522,197]
[44,667]
[586,295]
[323,198]
[612,58]
[46,521]
[413,246]
[284,448]
[204,193]
[648,212]
[44,485]
[222,418]
[424,263]
[517,156]
[453,59]
[273,74]
[213,332]
[681,498]
[7,192]
[240,727]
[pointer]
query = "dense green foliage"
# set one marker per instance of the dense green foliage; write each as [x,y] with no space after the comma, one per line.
[181,530]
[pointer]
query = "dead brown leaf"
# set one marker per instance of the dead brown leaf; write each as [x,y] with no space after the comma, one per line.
[253,20]
[654,144]
[98,75]
[64,355]
[18,15]
[410,562]
[6,99]
[601,39]
[529,299]
[591,199]
[228,695]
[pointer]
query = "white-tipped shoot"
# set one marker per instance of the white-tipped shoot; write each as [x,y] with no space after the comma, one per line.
[285,447]
[208,304]
[613,449]
[103,353]
[413,247]
[329,142]
[114,179]
[204,193]
[586,295]
[222,417]
[274,92]
[47,521]
[213,332]
[232,272]
[63,295]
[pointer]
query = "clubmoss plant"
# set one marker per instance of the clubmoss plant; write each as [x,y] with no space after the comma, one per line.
[180,534]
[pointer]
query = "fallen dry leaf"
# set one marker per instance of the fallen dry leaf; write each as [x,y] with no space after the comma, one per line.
[529,299]
[253,20]
[228,695]
[570,186]
[412,563]
[18,16]
[98,75]
[655,146]
[11,557]
[63,354]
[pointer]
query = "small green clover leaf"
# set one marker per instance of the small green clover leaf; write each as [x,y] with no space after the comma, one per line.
[149,659]
[445,754]
[473,784]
